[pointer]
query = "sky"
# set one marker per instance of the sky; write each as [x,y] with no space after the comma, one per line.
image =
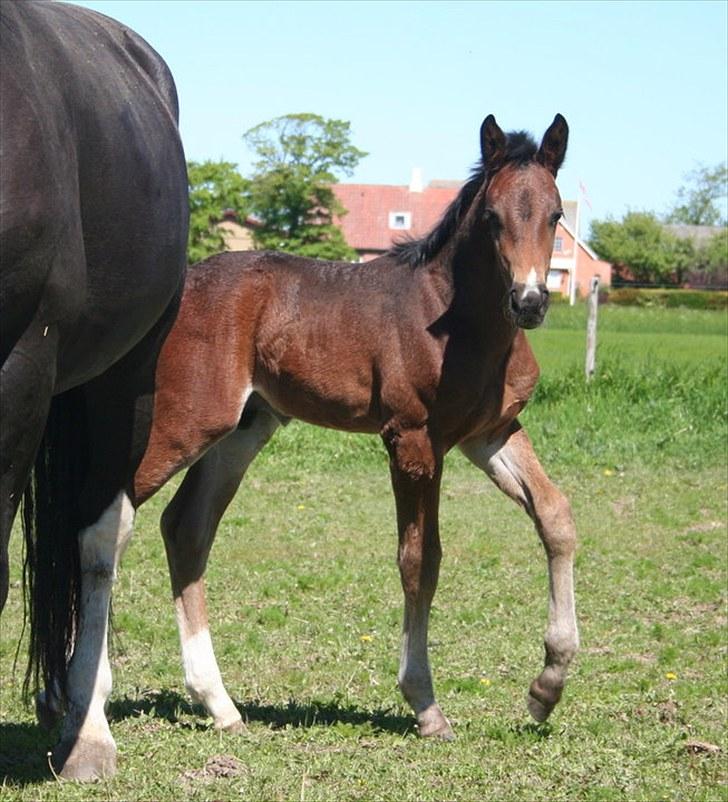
[643,85]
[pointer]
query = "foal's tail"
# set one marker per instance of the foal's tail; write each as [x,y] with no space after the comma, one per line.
[51,523]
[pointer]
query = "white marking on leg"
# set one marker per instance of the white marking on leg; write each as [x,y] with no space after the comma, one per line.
[513,466]
[202,675]
[415,678]
[89,673]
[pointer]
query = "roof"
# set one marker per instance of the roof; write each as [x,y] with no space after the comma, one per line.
[366,226]
[698,234]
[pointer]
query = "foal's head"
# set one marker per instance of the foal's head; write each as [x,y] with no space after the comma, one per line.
[521,206]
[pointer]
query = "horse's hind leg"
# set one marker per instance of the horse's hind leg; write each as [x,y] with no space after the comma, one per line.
[26,386]
[189,525]
[86,749]
[512,464]
[416,473]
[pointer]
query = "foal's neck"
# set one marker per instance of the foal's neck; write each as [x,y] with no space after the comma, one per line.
[478,288]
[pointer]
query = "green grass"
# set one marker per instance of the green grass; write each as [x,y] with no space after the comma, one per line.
[305,607]
[676,336]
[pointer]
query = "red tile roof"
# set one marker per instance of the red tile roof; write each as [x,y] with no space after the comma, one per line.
[366,226]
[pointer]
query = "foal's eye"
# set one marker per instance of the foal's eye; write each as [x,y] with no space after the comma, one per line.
[493,221]
[555,217]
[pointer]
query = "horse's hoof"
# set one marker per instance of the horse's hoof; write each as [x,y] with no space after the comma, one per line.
[235,726]
[542,699]
[443,733]
[47,713]
[84,760]
[433,724]
[538,710]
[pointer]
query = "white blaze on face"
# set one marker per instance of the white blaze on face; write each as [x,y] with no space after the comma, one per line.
[531,285]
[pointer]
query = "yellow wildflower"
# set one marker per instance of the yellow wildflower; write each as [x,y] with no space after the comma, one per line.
[365,638]
[671,675]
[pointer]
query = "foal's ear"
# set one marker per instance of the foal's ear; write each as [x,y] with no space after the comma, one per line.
[492,144]
[553,147]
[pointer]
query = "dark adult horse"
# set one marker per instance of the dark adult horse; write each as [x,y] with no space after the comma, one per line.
[93,226]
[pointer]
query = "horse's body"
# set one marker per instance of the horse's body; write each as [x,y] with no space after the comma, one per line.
[93,225]
[422,346]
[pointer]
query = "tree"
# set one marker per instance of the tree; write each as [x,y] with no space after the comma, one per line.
[711,258]
[214,188]
[699,203]
[299,157]
[640,243]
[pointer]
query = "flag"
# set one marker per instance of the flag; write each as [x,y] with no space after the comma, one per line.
[585,195]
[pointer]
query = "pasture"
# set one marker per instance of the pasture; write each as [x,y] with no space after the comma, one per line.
[305,607]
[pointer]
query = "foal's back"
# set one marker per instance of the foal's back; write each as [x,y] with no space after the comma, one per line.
[332,343]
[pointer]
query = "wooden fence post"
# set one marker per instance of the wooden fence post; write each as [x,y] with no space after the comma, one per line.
[591,328]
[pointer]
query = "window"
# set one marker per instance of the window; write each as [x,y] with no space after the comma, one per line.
[553,280]
[400,220]
[558,244]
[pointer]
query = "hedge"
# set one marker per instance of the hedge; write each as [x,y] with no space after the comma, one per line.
[692,299]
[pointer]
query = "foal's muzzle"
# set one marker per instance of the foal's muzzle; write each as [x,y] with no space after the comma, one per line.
[528,304]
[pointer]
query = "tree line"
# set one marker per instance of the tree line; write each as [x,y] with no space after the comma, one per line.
[645,247]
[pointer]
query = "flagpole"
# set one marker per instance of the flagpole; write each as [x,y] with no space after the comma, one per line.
[572,283]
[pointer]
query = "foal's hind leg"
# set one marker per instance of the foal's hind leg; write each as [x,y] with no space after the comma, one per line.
[416,472]
[512,464]
[188,526]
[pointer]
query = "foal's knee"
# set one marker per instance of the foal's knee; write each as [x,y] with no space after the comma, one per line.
[556,525]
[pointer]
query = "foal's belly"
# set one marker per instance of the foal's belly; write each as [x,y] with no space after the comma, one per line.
[324,402]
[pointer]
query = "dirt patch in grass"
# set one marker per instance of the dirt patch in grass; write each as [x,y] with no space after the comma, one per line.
[217,766]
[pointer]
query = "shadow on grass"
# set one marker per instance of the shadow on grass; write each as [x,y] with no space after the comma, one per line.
[23,754]
[171,706]
[517,733]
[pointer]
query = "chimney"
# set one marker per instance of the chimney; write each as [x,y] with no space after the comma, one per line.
[416,180]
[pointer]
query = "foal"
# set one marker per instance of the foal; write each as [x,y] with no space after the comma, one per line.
[422,346]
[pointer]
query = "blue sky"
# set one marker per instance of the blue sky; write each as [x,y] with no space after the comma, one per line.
[642,84]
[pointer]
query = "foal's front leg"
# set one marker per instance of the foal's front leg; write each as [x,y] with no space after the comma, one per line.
[189,525]
[416,471]
[513,466]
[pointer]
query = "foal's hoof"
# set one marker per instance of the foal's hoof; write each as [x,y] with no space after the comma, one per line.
[84,760]
[538,710]
[47,711]
[541,701]
[433,724]
[235,726]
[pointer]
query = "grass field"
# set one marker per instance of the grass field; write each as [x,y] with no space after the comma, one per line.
[305,606]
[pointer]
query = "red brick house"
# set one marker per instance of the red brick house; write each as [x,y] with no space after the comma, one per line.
[379,214]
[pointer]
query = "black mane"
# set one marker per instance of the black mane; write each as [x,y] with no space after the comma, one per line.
[521,150]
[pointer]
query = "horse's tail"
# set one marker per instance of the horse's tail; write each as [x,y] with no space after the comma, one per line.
[51,523]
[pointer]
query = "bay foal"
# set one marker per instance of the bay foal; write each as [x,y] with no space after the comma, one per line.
[422,346]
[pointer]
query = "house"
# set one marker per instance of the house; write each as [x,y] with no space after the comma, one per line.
[237,234]
[379,214]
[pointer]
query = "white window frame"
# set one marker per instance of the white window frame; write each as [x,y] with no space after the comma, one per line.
[406,221]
